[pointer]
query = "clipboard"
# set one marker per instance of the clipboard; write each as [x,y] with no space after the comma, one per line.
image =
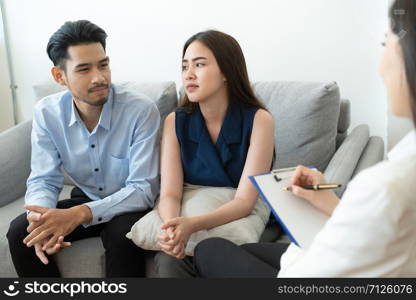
[299,219]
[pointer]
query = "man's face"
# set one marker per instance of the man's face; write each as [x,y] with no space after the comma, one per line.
[87,74]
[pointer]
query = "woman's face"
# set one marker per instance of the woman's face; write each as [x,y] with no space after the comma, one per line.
[201,76]
[394,76]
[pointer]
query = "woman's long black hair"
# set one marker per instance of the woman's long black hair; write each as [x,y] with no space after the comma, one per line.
[403,23]
[230,60]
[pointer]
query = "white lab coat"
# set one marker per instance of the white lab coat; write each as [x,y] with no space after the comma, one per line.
[372,232]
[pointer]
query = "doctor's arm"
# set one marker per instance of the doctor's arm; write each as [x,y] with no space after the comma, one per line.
[357,241]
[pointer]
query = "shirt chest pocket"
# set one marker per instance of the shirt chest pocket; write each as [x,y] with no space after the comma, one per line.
[119,168]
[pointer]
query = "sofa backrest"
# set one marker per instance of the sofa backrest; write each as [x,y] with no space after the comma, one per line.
[306,118]
[14,162]
[310,118]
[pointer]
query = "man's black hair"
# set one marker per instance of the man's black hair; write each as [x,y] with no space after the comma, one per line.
[72,34]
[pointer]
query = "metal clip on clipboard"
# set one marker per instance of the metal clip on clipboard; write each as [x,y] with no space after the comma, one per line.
[277,171]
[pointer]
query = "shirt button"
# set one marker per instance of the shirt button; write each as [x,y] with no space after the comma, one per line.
[92,146]
[100,219]
[100,189]
[96,169]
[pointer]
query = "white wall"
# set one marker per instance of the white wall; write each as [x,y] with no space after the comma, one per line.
[313,40]
[6,104]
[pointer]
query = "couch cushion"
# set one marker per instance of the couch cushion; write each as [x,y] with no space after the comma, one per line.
[306,120]
[198,200]
[7,214]
[163,93]
[344,116]
[344,121]
[14,162]
[350,151]
[85,258]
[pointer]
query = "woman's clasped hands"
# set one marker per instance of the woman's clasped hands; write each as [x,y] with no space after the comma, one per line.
[175,236]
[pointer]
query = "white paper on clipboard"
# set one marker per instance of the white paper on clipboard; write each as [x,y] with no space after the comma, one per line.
[300,220]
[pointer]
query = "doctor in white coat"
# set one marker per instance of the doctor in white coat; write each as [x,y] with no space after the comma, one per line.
[372,230]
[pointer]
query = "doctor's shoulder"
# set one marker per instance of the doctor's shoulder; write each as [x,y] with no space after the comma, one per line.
[388,179]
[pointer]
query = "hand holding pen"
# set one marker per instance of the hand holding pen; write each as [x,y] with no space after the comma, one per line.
[311,185]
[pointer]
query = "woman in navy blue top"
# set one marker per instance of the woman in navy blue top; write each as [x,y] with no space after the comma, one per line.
[220,163]
[218,137]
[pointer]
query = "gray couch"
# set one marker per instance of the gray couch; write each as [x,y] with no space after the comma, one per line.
[312,128]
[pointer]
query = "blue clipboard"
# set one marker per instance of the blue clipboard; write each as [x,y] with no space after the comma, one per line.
[299,219]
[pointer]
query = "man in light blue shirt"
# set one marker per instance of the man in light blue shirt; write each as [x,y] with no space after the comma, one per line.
[107,139]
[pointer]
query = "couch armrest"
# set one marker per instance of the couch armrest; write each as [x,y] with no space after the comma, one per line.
[14,162]
[342,165]
[372,154]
